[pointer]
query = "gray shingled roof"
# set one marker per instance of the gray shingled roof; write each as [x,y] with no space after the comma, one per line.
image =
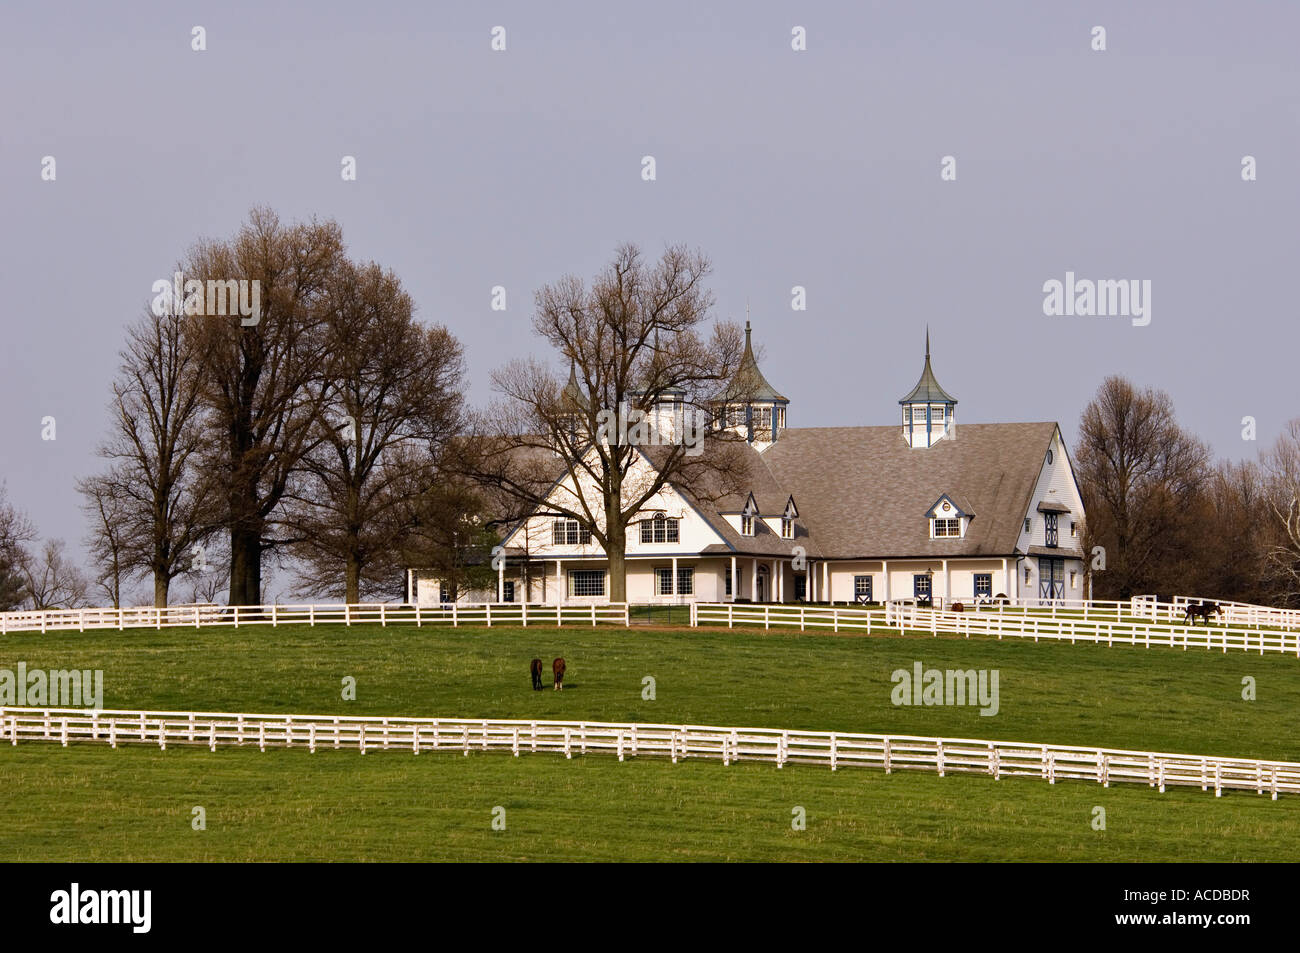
[862,492]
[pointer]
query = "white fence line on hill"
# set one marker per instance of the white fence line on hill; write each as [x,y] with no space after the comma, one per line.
[997,759]
[484,613]
[1000,622]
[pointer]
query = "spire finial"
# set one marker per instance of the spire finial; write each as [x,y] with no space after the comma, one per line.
[927,342]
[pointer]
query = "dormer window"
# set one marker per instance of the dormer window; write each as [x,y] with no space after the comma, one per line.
[787,528]
[946,527]
[746,525]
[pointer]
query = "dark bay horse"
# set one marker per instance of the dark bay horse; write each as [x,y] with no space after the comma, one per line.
[536,669]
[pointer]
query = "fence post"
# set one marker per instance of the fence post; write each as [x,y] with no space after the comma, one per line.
[383,621]
[347,613]
[593,615]
[767,616]
[489,615]
[523,607]
[274,623]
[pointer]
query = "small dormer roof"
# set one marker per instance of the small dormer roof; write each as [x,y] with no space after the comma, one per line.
[927,389]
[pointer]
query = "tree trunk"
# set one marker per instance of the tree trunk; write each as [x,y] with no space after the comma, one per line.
[352,579]
[616,550]
[245,566]
[160,586]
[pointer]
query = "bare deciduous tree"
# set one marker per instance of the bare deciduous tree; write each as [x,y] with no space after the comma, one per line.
[158,498]
[392,393]
[1139,473]
[16,531]
[634,340]
[51,581]
[258,379]
[1281,465]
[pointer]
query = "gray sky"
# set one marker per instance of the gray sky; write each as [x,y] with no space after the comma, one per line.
[819,168]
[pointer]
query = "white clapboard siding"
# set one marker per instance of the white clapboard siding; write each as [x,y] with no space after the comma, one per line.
[996,759]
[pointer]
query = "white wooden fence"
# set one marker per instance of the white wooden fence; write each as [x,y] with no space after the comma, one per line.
[996,759]
[487,613]
[1129,631]
[1097,623]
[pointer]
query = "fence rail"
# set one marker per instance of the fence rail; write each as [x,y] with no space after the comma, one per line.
[484,613]
[1097,623]
[996,759]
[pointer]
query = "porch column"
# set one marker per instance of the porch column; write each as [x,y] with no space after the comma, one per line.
[884,570]
[826,582]
[501,581]
[674,579]
[778,565]
[947,584]
[1005,585]
[559,585]
[753,579]
[735,580]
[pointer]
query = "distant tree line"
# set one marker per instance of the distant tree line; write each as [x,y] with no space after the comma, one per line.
[1170,520]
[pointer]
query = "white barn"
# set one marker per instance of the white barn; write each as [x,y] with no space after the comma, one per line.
[833,514]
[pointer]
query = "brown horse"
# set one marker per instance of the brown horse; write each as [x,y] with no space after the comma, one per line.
[557,669]
[1201,610]
[536,669]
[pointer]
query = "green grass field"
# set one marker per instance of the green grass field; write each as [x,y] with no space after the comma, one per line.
[94,803]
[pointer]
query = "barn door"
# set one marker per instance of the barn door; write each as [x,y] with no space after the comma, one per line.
[1051,579]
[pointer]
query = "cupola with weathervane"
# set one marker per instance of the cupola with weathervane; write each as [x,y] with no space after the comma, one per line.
[750,405]
[929,412]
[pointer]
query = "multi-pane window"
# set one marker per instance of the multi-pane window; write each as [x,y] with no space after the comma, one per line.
[728,589]
[861,588]
[936,415]
[921,585]
[1051,533]
[1028,524]
[947,527]
[664,582]
[660,530]
[780,417]
[746,525]
[569,533]
[800,587]
[787,527]
[685,582]
[508,591]
[442,593]
[1074,529]
[586,582]
[763,420]
[983,585]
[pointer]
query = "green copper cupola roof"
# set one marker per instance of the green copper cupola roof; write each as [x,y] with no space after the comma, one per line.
[927,389]
[748,384]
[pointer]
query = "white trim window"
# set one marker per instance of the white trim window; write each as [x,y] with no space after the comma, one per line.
[787,528]
[941,528]
[746,525]
[661,529]
[569,533]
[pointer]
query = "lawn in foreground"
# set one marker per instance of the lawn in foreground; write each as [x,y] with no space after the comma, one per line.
[90,803]
[1123,697]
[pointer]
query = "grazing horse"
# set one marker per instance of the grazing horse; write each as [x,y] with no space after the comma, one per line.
[536,669]
[1201,610]
[557,669]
